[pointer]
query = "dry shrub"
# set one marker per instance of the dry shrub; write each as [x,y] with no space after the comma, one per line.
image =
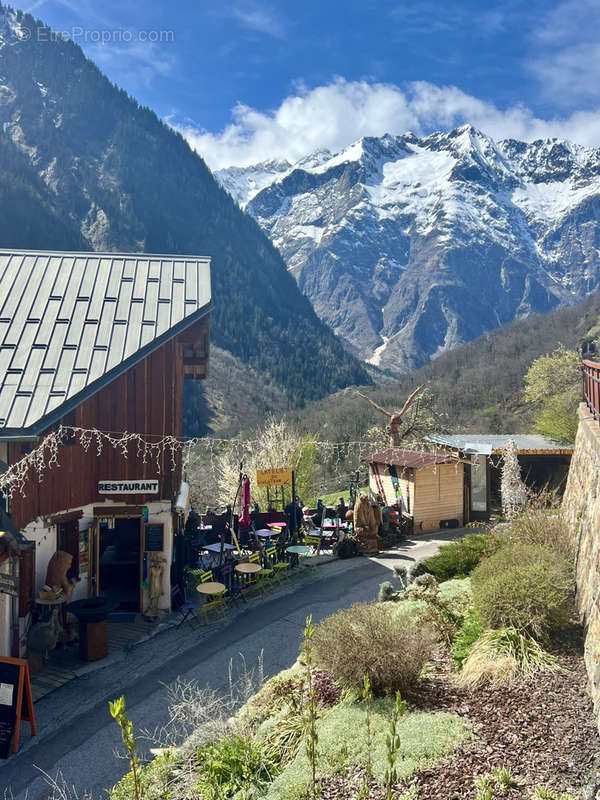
[366,639]
[543,523]
[501,656]
[524,586]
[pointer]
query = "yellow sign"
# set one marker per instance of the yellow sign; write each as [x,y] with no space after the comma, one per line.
[274,477]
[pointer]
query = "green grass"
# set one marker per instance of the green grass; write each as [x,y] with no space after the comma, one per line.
[424,740]
[332,499]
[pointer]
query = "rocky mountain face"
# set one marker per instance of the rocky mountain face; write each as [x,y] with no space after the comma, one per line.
[410,246]
[83,166]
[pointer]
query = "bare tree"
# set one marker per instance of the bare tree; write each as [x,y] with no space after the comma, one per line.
[397,417]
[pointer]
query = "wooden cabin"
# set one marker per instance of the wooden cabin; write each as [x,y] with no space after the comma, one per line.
[544,463]
[428,487]
[98,341]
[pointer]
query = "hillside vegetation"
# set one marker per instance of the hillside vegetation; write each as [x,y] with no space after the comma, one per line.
[478,387]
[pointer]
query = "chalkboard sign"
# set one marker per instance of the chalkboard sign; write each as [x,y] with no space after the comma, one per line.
[154,537]
[16,702]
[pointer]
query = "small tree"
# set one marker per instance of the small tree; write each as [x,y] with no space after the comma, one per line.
[553,389]
[512,488]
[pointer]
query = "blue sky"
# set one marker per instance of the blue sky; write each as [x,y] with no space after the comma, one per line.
[247,80]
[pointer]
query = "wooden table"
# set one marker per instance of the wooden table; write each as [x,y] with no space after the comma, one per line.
[247,568]
[211,587]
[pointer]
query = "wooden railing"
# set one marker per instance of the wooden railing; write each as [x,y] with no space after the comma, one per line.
[590,386]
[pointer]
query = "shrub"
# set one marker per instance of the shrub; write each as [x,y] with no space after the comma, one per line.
[386,592]
[523,586]
[154,779]
[232,764]
[459,558]
[468,633]
[543,523]
[500,656]
[367,640]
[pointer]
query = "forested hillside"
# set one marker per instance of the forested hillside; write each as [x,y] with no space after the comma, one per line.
[478,387]
[83,166]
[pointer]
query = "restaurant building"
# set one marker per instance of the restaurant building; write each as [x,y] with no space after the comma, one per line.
[97,341]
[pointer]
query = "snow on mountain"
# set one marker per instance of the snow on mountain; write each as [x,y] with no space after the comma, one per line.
[408,246]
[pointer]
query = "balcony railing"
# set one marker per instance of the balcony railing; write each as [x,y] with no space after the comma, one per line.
[590,386]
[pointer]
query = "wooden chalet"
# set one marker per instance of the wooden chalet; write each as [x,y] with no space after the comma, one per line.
[427,487]
[98,341]
[544,463]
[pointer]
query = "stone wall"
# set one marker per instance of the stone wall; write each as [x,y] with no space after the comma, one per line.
[581,505]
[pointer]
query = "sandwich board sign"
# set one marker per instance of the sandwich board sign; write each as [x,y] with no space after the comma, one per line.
[16,703]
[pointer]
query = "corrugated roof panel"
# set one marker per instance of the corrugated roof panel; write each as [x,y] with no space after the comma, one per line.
[68,318]
[178,304]
[86,345]
[134,328]
[117,346]
[21,353]
[124,301]
[98,365]
[65,367]
[48,322]
[163,317]
[166,279]
[140,280]
[191,281]
[107,317]
[55,345]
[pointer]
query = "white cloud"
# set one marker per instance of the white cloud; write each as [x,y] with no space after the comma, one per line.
[565,56]
[260,19]
[334,115]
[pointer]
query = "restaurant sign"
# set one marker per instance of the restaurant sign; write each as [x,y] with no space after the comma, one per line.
[274,477]
[141,486]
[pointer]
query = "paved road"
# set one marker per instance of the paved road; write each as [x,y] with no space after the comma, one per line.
[78,739]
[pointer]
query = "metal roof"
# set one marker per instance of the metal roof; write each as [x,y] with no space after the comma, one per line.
[72,322]
[485,443]
[414,459]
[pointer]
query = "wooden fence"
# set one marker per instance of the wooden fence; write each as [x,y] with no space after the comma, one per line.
[590,386]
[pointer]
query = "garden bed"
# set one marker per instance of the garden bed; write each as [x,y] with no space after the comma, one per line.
[541,729]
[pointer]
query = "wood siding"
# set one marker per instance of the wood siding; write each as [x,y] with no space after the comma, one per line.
[147,399]
[438,494]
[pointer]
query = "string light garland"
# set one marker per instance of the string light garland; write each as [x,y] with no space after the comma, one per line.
[333,457]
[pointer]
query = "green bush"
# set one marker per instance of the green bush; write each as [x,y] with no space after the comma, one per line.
[155,778]
[459,558]
[463,641]
[232,764]
[523,586]
[366,639]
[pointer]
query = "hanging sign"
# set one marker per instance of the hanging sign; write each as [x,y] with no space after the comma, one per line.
[274,477]
[141,486]
[16,703]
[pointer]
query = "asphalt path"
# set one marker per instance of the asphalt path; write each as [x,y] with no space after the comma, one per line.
[78,740]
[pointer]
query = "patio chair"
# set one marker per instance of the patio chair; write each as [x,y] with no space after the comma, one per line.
[312,557]
[186,608]
[215,603]
[281,569]
[235,587]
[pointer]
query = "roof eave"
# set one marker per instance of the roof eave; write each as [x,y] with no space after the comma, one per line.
[32,433]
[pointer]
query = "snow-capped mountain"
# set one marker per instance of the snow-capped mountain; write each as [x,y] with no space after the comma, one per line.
[408,246]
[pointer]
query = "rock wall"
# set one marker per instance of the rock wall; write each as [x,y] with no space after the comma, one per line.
[581,506]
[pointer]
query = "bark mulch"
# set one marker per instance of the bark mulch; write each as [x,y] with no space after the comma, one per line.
[542,730]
